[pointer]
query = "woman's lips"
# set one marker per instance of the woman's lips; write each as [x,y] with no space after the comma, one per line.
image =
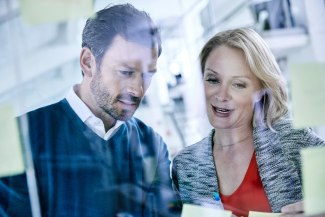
[222,112]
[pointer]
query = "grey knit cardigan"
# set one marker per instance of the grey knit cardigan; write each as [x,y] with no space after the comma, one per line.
[278,159]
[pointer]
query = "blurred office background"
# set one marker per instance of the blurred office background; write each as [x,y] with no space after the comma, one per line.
[40,62]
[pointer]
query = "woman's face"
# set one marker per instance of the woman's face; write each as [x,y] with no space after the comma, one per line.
[230,89]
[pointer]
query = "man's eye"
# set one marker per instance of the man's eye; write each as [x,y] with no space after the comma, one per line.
[147,75]
[126,73]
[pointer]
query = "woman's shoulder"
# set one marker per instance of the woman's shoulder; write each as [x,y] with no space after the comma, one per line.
[197,151]
[195,146]
[282,127]
[285,133]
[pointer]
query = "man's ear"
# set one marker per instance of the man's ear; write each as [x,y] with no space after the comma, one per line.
[87,62]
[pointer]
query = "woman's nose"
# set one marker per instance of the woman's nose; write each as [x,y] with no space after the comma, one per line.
[222,94]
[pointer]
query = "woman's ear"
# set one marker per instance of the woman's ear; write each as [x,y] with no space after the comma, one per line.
[259,101]
[87,62]
[262,94]
[258,96]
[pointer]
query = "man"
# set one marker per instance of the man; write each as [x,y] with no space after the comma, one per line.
[91,157]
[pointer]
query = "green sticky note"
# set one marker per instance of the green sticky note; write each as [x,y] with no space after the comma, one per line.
[44,11]
[308,94]
[313,180]
[190,210]
[11,157]
[263,214]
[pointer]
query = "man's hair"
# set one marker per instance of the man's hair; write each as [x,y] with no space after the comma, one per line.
[261,62]
[123,20]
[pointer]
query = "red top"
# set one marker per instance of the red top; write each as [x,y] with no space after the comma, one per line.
[249,196]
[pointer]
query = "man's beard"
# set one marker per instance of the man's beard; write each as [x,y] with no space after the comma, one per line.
[106,102]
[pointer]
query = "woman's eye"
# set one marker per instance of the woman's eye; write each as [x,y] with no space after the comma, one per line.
[240,85]
[212,80]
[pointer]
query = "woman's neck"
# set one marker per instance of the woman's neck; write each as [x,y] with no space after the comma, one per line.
[235,138]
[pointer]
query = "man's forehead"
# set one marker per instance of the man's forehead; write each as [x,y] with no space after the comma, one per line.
[148,44]
[133,54]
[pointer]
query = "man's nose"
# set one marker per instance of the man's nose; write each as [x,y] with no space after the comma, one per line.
[135,87]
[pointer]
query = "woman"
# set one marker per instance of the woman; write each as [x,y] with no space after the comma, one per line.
[251,157]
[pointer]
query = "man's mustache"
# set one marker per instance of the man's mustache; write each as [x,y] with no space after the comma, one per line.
[130,98]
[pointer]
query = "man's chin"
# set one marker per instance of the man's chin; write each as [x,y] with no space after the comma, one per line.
[124,118]
[125,115]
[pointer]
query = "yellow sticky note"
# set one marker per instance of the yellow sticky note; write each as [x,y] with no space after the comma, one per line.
[308,94]
[190,210]
[11,157]
[313,180]
[43,11]
[263,214]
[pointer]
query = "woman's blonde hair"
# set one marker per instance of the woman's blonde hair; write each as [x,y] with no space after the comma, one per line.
[261,62]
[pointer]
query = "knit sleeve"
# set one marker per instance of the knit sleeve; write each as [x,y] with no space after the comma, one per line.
[294,140]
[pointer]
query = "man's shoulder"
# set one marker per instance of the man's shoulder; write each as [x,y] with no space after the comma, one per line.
[51,108]
[136,121]
[136,127]
[139,125]
[136,130]
[49,113]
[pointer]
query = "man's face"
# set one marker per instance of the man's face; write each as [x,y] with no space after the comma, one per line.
[124,76]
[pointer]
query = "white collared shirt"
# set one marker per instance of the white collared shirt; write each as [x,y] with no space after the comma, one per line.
[84,113]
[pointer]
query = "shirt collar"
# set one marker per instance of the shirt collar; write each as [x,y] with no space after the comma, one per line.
[85,114]
[78,105]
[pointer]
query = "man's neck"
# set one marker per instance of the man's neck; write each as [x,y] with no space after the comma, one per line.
[108,120]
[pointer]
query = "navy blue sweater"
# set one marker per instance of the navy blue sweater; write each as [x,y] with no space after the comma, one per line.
[80,174]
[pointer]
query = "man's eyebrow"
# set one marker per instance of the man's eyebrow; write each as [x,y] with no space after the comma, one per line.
[152,70]
[128,66]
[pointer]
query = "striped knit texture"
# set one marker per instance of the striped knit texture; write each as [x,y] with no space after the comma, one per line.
[278,159]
